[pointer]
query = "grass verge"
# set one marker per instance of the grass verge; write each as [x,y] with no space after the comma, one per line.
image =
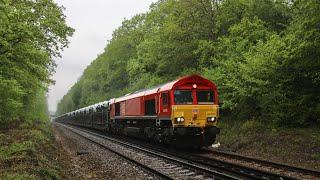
[29,152]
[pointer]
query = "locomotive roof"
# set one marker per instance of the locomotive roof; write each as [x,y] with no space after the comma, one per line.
[165,87]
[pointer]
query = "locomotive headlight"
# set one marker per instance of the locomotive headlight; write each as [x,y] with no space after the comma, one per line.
[180,119]
[211,119]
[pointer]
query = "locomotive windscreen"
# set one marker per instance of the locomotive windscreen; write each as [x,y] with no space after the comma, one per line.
[205,96]
[183,97]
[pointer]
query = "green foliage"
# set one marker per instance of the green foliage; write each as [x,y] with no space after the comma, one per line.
[10,102]
[263,55]
[32,33]
[16,149]
[37,110]
[48,173]
[287,81]
[230,61]
[17,176]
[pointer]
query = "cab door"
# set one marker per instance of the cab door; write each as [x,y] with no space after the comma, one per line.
[164,104]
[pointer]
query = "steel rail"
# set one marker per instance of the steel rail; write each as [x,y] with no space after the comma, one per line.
[266,163]
[208,171]
[244,171]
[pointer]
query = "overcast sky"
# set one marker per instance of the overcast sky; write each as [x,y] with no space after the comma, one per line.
[93,21]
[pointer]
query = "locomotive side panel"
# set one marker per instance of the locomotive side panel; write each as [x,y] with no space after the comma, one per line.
[133,107]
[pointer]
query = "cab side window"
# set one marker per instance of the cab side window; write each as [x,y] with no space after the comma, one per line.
[165,99]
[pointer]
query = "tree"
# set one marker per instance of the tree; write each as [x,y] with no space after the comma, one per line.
[32,33]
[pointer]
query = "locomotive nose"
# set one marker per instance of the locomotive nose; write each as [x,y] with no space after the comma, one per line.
[194,115]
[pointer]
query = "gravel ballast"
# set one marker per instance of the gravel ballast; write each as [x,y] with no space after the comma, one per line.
[90,161]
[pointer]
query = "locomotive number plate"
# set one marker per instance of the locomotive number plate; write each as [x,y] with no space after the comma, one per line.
[195,111]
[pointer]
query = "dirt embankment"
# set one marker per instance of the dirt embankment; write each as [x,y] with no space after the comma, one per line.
[45,152]
[30,152]
[294,146]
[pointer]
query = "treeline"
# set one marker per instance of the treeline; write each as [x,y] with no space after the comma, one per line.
[32,33]
[264,55]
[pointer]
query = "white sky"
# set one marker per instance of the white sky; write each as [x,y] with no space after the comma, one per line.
[93,21]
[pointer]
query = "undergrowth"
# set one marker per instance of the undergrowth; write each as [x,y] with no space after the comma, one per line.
[27,152]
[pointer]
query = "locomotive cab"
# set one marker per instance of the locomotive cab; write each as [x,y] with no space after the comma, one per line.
[194,110]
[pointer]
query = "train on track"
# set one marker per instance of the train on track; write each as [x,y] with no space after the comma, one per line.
[183,113]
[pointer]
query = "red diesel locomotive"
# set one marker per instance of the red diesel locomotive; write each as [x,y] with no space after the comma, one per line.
[183,112]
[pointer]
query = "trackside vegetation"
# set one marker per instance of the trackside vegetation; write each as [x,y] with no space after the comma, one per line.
[27,149]
[264,56]
[32,34]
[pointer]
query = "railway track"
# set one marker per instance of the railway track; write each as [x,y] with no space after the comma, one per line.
[274,165]
[170,164]
[160,164]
